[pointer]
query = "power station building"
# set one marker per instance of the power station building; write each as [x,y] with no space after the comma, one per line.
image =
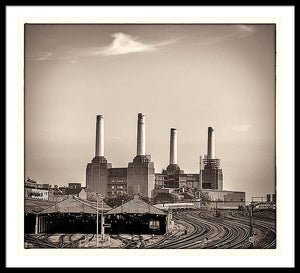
[139,176]
[210,175]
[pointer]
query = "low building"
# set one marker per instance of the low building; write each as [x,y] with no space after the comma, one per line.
[83,194]
[216,195]
[137,217]
[56,195]
[39,194]
[30,183]
[70,215]
[224,199]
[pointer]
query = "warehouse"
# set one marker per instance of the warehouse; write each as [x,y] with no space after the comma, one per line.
[137,217]
[69,215]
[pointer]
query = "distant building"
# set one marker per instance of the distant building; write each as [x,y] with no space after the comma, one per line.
[39,194]
[74,185]
[227,196]
[55,194]
[137,178]
[29,183]
[46,192]
[83,194]
[140,177]
[34,190]
[210,175]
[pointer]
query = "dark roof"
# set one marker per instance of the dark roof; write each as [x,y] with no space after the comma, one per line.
[164,195]
[72,190]
[136,206]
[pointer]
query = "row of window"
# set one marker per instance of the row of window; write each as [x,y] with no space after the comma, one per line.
[117,187]
[154,224]
[118,181]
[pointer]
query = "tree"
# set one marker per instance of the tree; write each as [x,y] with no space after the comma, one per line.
[117,201]
[204,196]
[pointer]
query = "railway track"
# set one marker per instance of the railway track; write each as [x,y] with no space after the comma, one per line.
[42,241]
[209,232]
[200,230]
[264,225]
[173,237]
[238,233]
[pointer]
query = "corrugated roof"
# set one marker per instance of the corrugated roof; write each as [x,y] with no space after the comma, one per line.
[75,205]
[32,205]
[136,206]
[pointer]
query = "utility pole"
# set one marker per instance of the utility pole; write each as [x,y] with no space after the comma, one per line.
[251,225]
[97,225]
[102,220]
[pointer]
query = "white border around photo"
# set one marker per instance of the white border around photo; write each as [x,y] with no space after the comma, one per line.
[283,256]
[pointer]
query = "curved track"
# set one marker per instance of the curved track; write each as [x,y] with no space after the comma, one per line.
[209,232]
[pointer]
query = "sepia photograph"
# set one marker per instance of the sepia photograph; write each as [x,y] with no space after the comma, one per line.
[150,136]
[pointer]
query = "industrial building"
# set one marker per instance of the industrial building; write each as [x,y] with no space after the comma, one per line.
[210,175]
[136,216]
[76,215]
[69,215]
[137,178]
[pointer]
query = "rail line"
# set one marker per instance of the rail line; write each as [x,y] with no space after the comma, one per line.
[209,232]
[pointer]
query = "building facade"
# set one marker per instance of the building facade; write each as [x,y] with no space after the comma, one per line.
[140,178]
[137,178]
[210,175]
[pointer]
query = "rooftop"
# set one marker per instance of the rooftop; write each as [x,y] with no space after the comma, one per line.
[136,206]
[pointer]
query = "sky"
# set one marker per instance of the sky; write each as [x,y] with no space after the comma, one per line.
[183,76]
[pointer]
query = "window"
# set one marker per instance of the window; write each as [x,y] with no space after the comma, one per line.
[153,224]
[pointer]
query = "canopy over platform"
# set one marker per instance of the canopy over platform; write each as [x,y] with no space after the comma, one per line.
[136,206]
[75,205]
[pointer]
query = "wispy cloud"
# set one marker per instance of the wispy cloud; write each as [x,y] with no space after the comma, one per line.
[124,44]
[241,127]
[121,44]
[247,29]
[42,56]
[236,32]
[49,56]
